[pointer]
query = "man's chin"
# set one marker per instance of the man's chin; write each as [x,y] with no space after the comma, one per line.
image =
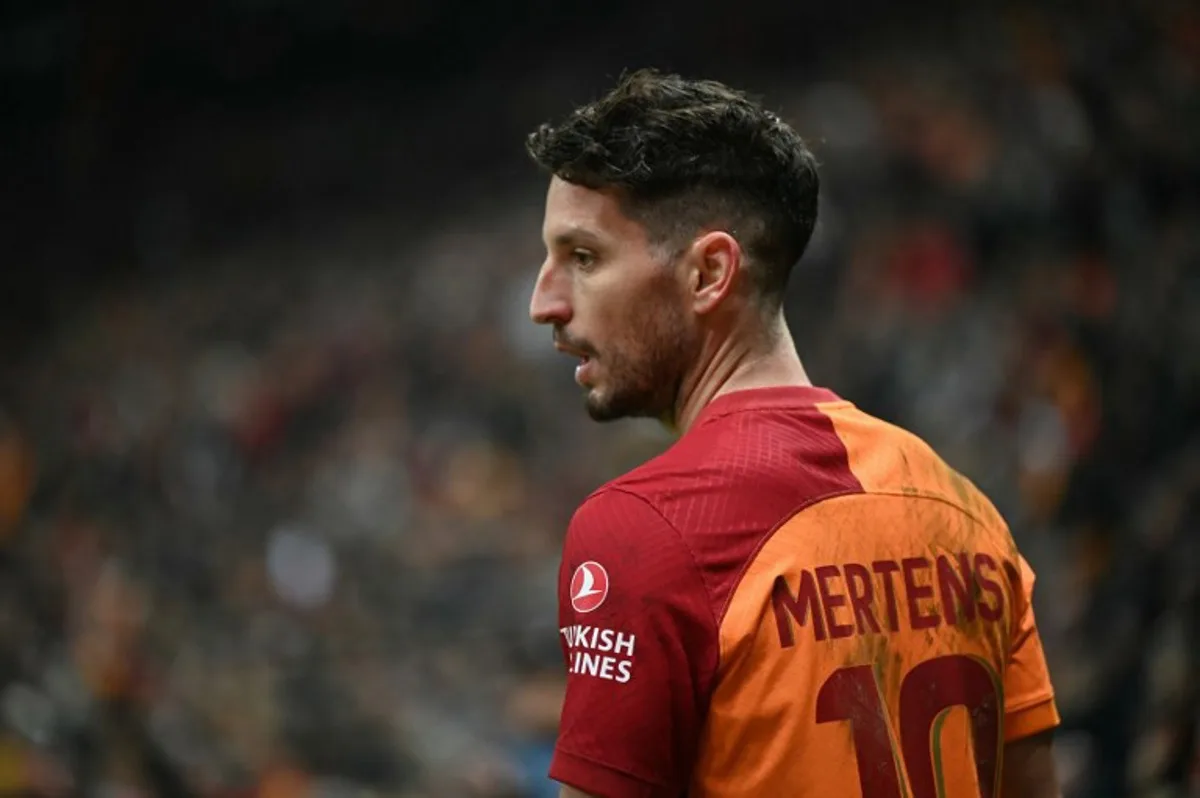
[600,410]
[605,408]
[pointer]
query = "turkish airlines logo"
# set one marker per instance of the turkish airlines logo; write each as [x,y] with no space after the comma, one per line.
[589,587]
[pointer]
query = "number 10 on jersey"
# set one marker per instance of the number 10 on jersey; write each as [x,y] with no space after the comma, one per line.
[927,693]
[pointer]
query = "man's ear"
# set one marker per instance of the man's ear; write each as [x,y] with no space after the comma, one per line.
[716,260]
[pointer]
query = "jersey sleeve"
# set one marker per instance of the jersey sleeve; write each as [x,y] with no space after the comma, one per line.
[1029,705]
[640,641]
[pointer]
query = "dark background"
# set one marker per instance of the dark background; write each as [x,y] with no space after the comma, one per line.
[115,104]
[284,470]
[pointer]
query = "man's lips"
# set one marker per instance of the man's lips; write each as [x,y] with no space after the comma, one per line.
[572,350]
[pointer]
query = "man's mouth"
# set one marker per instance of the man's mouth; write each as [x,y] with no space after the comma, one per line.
[571,350]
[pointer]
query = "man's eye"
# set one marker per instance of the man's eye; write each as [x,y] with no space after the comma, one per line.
[583,258]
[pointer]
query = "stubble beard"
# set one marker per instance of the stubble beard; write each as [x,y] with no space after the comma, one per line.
[644,374]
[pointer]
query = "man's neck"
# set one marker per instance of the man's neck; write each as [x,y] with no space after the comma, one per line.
[738,363]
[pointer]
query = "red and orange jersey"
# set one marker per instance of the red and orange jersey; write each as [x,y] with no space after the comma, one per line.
[794,599]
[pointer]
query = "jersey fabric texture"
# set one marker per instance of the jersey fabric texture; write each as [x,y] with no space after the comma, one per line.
[794,599]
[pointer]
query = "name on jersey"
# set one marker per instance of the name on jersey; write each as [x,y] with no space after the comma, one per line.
[852,598]
[603,653]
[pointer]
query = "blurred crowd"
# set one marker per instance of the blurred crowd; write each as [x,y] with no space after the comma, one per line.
[287,522]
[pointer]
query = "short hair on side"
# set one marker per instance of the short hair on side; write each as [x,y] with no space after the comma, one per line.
[690,155]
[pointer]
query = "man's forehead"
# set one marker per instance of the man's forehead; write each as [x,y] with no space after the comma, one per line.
[578,213]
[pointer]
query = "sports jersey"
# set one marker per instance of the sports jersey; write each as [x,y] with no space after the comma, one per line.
[794,599]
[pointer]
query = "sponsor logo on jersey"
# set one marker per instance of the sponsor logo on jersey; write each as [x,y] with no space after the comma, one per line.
[589,586]
[602,653]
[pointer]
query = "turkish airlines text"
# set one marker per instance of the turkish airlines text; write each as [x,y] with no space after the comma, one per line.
[603,653]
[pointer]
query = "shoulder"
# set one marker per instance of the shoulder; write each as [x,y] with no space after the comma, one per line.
[889,459]
[623,535]
[626,571]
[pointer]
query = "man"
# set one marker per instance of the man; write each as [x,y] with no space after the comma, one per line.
[796,599]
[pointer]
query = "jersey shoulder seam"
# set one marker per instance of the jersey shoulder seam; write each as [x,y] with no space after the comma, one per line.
[937,497]
[682,542]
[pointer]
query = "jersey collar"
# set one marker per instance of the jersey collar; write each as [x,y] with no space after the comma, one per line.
[783,397]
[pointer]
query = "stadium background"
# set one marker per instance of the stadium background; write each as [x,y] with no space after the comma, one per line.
[284,469]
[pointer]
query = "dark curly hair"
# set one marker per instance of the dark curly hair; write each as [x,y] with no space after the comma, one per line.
[690,155]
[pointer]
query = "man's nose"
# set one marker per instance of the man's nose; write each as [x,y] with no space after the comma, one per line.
[550,303]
